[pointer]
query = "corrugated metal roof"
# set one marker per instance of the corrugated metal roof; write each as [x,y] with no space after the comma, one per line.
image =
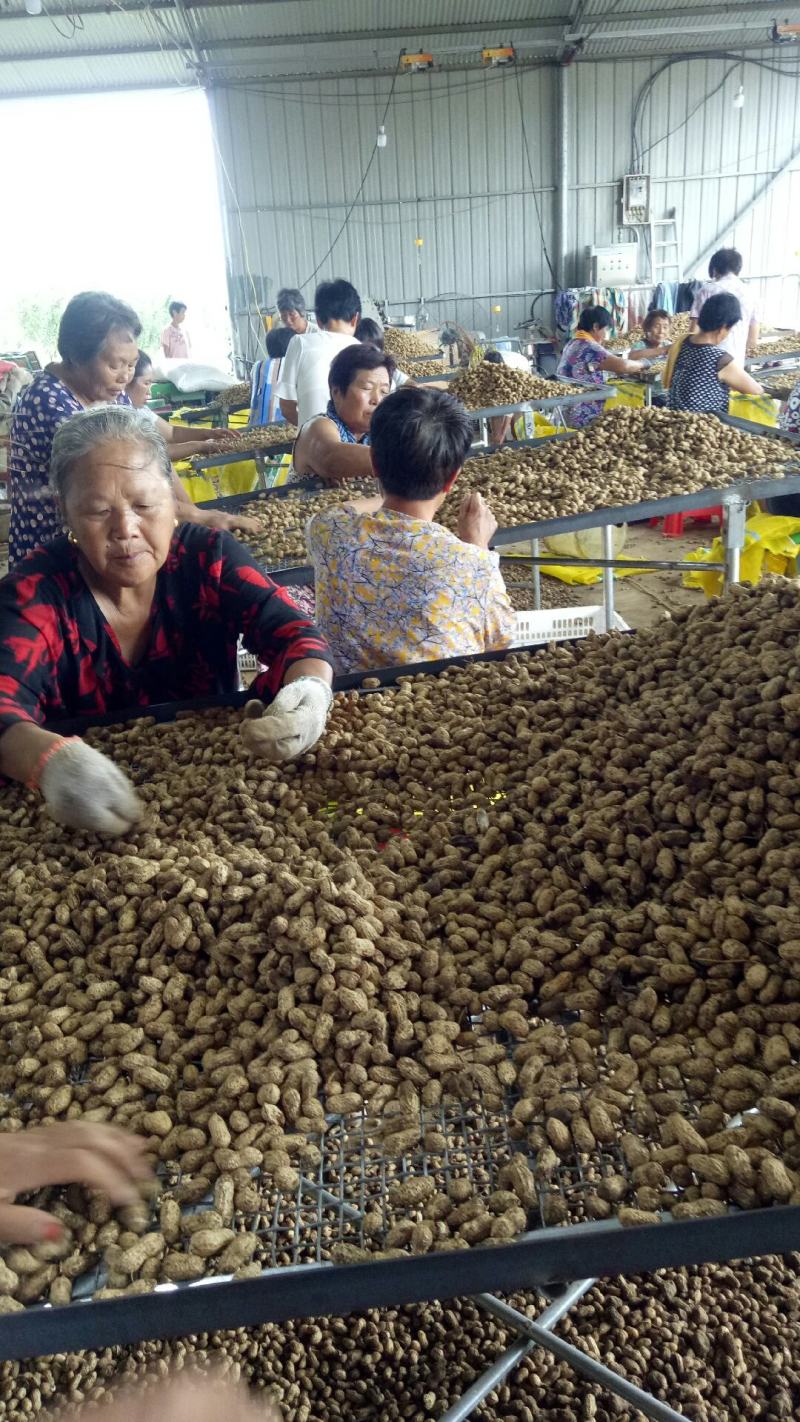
[135,43]
[40,77]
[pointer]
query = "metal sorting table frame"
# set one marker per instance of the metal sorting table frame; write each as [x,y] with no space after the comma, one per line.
[734,499]
[352,1178]
[585,395]
[786,360]
[260,455]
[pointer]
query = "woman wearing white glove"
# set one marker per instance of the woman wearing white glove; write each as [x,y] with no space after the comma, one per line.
[293,723]
[133,608]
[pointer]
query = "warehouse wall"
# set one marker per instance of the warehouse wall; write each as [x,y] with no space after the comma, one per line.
[455,173]
[708,168]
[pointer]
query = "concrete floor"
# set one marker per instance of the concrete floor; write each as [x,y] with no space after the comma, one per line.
[646,598]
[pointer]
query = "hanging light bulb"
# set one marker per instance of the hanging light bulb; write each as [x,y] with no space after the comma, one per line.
[33,7]
[738,98]
[381,131]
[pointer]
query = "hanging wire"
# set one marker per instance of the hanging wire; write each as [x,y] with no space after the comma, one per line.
[364,177]
[534,193]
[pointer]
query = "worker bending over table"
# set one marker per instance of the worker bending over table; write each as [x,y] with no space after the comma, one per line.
[134,608]
[334,446]
[700,372]
[586,359]
[392,585]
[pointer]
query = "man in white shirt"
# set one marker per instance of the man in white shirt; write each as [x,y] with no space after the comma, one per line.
[303,387]
[723,270]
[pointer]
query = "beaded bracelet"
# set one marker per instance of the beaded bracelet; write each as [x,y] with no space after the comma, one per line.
[55,746]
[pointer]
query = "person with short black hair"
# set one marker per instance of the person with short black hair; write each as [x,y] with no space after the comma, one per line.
[334,445]
[586,359]
[657,338]
[175,342]
[291,306]
[278,340]
[98,345]
[700,371]
[724,270]
[303,386]
[264,378]
[392,585]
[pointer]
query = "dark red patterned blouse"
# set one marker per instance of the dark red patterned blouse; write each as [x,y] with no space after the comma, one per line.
[60,658]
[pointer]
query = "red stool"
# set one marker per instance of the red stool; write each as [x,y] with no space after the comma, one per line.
[673,523]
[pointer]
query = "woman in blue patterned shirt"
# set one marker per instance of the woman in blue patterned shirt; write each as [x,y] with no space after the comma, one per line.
[97,342]
[334,446]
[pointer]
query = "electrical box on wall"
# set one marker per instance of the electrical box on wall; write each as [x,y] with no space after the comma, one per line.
[636,200]
[613,266]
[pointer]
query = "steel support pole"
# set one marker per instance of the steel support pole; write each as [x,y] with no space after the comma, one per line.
[514,1354]
[735,508]
[562,177]
[608,575]
[581,1362]
[537,574]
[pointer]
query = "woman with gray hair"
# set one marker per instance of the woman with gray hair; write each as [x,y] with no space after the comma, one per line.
[134,608]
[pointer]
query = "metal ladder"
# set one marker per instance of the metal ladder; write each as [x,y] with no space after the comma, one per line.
[665,249]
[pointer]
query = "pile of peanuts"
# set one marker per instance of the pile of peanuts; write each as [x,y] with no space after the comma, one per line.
[626,456]
[561,885]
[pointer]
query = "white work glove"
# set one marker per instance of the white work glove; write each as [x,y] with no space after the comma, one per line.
[85,790]
[292,723]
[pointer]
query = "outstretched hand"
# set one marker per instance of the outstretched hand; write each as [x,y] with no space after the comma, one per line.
[71,1152]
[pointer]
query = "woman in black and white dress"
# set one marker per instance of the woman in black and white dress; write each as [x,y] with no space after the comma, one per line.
[701,374]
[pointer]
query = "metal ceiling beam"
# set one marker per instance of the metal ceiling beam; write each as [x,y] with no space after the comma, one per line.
[690,12]
[134,7]
[186,25]
[70,91]
[279,41]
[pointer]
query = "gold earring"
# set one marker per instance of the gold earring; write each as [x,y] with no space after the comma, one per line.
[71,537]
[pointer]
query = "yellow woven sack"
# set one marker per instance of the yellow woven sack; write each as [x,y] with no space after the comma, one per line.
[629,392]
[759,409]
[199,490]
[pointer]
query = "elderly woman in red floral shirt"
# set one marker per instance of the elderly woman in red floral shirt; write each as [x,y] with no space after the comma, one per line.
[135,608]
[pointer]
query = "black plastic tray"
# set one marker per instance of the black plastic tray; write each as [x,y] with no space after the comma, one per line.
[351,681]
[545,1257]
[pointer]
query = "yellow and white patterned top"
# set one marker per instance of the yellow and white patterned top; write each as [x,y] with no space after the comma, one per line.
[391,589]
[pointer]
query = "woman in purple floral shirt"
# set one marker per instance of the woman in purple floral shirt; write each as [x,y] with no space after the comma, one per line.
[586,359]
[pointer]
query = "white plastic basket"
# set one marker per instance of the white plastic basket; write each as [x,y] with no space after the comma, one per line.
[562,624]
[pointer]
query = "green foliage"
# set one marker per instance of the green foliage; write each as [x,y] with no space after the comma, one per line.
[38,318]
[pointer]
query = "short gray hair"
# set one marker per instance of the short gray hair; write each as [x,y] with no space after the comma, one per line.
[80,434]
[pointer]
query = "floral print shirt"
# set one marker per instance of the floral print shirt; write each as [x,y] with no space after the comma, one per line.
[60,658]
[35,515]
[391,589]
[580,360]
